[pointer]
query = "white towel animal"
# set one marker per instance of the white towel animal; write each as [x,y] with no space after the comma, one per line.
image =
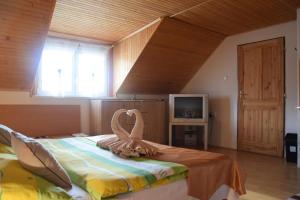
[125,144]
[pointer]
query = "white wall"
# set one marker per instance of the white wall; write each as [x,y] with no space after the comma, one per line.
[218,78]
[298,60]
[23,98]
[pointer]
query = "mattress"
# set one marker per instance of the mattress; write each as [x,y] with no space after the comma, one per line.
[175,191]
[103,174]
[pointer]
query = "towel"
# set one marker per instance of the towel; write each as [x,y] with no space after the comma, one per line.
[124,144]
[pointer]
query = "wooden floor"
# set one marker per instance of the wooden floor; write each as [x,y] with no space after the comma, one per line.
[268,178]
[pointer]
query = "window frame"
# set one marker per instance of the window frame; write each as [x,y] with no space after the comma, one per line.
[75,70]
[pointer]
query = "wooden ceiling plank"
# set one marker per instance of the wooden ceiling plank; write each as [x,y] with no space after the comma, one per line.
[119,17]
[127,51]
[24,26]
[113,20]
[174,46]
[238,16]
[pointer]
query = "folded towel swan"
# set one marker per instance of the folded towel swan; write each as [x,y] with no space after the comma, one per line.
[125,144]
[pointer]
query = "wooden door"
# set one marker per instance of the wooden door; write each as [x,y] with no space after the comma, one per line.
[261,97]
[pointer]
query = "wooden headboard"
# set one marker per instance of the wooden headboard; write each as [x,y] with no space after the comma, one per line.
[42,120]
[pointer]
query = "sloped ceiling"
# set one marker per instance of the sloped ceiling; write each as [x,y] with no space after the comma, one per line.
[235,16]
[24,24]
[111,20]
[126,53]
[174,54]
[23,27]
[171,57]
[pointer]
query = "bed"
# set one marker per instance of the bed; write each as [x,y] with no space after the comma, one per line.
[174,191]
[98,174]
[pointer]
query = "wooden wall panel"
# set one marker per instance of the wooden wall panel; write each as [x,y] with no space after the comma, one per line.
[126,52]
[173,55]
[24,25]
[42,120]
[231,17]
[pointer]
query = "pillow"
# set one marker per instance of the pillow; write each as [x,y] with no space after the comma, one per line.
[18,183]
[34,157]
[5,133]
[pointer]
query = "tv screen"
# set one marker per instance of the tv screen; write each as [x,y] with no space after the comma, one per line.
[188,107]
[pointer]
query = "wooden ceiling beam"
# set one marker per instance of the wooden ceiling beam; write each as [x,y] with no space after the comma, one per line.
[140,30]
[190,8]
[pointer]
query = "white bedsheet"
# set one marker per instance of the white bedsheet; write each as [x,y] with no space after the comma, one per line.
[173,191]
[78,194]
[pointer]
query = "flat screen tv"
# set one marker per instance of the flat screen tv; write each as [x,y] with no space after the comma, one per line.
[188,107]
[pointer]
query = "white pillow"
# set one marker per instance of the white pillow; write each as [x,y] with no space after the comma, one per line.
[34,157]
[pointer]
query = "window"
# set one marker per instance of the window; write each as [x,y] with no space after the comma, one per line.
[69,68]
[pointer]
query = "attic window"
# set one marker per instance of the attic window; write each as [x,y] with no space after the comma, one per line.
[73,69]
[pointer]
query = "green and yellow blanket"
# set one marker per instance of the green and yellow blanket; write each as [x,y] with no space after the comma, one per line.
[103,174]
[16,183]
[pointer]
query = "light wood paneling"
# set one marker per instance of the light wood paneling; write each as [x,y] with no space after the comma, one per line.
[42,120]
[261,100]
[126,52]
[111,20]
[232,17]
[172,56]
[24,25]
[153,112]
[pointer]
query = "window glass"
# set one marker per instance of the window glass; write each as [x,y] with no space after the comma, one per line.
[69,68]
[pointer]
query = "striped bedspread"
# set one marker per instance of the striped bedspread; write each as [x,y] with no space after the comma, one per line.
[16,183]
[103,174]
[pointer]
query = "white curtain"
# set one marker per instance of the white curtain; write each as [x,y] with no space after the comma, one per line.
[72,68]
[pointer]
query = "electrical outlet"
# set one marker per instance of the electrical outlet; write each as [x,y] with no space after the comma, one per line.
[293,149]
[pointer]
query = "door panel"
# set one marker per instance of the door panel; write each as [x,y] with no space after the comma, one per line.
[252,67]
[261,97]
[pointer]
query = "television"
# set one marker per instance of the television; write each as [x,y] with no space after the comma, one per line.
[188,108]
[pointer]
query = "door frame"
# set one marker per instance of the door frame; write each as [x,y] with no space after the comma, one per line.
[239,74]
